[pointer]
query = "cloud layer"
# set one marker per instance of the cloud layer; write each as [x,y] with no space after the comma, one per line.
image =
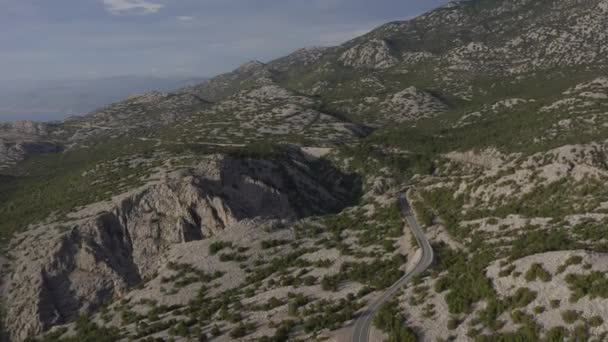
[119,7]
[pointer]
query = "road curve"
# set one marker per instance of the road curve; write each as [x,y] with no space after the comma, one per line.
[364,321]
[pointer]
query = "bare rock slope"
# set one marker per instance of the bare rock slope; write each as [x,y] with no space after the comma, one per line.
[63,269]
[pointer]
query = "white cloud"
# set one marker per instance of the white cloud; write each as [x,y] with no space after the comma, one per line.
[185,18]
[118,7]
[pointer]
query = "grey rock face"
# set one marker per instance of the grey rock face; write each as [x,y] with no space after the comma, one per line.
[374,54]
[57,277]
[20,139]
[61,270]
[222,86]
[23,128]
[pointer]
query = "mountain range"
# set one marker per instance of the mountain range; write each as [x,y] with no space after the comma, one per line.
[262,203]
[57,99]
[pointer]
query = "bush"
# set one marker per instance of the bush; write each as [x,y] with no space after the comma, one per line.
[330,315]
[596,321]
[489,315]
[267,244]
[539,241]
[557,334]
[86,331]
[217,246]
[570,316]
[281,334]
[423,214]
[594,285]
[296,301]
[523,296]
[506,271]
[539,309]
[391,321]
[242,330]
[573,260]
[536,271]
[215,331]
[581,333]
[331,282]
[465,279]
[226,257]
[454,323]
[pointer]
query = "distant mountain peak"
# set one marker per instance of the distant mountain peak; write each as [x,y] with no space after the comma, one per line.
[250,66]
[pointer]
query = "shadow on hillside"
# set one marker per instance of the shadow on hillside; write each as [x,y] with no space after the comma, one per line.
[284,183]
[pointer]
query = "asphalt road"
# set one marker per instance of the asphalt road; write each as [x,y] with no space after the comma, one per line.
[363,323]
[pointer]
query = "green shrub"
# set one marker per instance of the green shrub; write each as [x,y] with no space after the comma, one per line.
[540,241]
[536,271]
[557,334]
[392,322]
[465,278]
[454,323]
[325,314]
[217,246]
[581,333]
[242,330]
[594,285]
[281,334]
[506,271]
[570,316]
[596,321]
[522,297]
[267,244]
[215,330]
[85,331]
[573,260]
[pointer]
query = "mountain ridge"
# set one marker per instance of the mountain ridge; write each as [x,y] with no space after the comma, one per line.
[492,113]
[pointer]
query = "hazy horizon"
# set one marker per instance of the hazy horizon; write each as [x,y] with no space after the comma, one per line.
[51,100]
[112,38]
[54,57]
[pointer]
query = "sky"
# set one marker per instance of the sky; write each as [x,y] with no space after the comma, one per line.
[88,39]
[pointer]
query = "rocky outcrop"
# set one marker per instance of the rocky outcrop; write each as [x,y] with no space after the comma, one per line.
[63,269]
[20,139]
[13,152]
[151,110]
[225,85]
[272,110]
[412,103]
[299,58]
[375,54]
[23,128]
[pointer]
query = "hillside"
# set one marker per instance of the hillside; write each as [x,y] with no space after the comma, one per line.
[57,99]
[261,205]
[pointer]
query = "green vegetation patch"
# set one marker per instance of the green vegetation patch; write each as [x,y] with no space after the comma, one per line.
[392,322]
[85,331]
[594,285]
[573,260]
[536,271]
[465,281]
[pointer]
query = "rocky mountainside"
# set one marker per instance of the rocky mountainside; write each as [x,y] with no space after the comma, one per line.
[260,205]
[55,99]
[101,251]
[20,139]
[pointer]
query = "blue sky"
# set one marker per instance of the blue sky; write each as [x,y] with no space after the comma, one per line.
[59,39]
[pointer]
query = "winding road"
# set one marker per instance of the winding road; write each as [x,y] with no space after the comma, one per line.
[363,324]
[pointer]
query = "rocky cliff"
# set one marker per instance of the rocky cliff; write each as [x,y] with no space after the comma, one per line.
[63,269]
[23,138]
